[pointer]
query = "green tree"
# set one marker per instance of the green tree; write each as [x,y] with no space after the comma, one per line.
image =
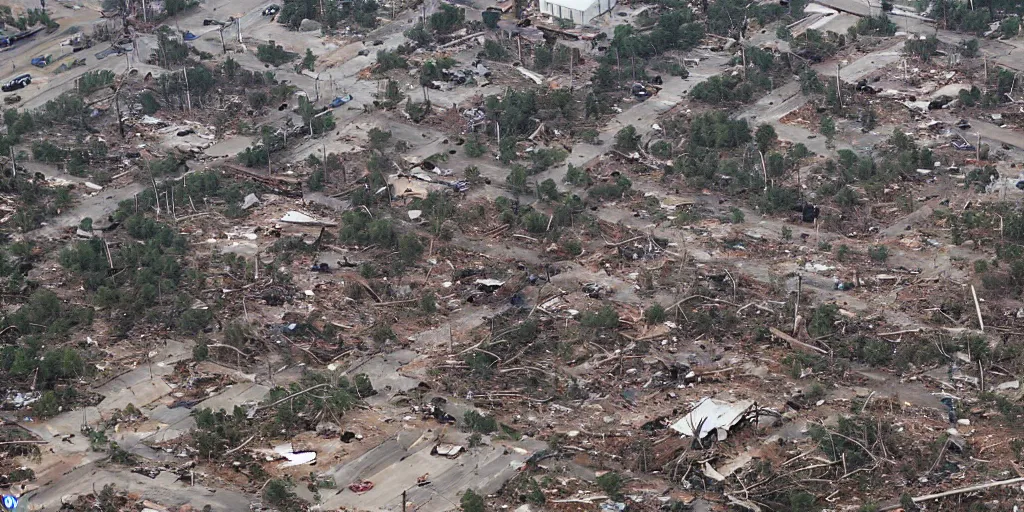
[475,149]
[316,122]
[92,81]
[922,49]
[604,318]
[409,248]
[493,50]
[542,56]
[517,180]
[316,180]
[171,52]
[828,128]
[876,25]
[868,119]
[627,139]
[448,19]
[1010,26]
[273,54]
[378,138]
[879,253]
[809,82]
[174,7]
[765,137]
[149,103]
[611,483]
[548,189]
[278,492]
[386,61]
[308,61]
[969,48]
[776,164]
[655,314]
[472,502]
[47,406]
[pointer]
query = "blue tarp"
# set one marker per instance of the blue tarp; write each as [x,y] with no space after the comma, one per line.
[189,36]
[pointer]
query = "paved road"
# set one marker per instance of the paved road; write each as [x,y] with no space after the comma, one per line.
[98,205]
[788,98]
[641,116]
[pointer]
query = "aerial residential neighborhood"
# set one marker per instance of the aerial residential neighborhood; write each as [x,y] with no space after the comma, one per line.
[563,255]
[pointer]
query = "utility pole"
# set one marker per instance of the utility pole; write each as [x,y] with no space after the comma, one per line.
[188,94]
[403,501]
[796,310]
[572,57]
[120,120]
[839,90]
[238,26]
[223,46]
[618,73]
[14,164]
[156,194]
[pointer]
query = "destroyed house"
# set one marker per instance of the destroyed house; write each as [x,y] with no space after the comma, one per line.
[579,12]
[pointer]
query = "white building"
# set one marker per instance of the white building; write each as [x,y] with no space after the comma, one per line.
[579,12]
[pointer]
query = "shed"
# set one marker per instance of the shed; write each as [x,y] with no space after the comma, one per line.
[579,12]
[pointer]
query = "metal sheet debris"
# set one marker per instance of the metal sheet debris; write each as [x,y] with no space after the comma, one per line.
[448,450]
[294,217]
[250,201]
[294,458]
[712,415]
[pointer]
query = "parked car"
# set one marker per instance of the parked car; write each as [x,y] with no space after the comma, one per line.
[17,82]
[962,144]
[341,100]
[272,10]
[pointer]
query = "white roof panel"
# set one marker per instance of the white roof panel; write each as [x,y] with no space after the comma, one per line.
[579,5]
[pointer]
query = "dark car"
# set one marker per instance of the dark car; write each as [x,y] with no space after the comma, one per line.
[272,10]
[16,83]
